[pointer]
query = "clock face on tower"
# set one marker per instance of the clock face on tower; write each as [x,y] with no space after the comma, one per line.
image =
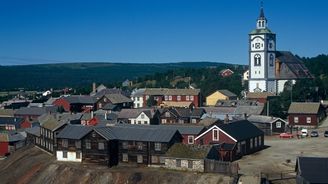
[257,45]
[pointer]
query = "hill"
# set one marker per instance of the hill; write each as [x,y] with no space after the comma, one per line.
[47,76]
[31,165]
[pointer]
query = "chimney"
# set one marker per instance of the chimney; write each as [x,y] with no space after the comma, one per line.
[106,115]
[226,119]
[93,87]
[91,114]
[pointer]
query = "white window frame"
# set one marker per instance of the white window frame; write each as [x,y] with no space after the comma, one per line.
[166,98]
[191,98]
[278,124]
[170,98]
[178,98]
[215,132]
[296,119]
[139,159]
[158,146]
[187,98]
[101,146]
[308,120]
[192,138]
[125,157]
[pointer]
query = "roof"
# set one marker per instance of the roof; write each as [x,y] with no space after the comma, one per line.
[166,91]
[249,110]
[219,110]
[80,99]
[180,150]
[261,31]
[110,106]
[291,67]
[7,113]
[257,95]
[49,122]
[138,92]
[11,136]
[313,169]
[133,113]
[304,108]
[227,93]
[36,111]
[263,119]
[186,112]
[176,104]
[137,133]
[241,130]
[50,101]
[74,132]
[34,131]
[103,92]
[117,98]
[11,121]
[207,121]
[183,129]
[234,103]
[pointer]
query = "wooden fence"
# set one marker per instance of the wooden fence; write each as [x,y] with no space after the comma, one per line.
[215,166]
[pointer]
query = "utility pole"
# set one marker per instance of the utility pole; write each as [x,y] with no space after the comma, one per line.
[268,107]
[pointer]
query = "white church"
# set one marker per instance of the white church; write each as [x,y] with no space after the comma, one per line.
[270,69]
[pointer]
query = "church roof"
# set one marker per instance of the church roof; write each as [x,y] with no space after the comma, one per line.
[261,31]
[291,67]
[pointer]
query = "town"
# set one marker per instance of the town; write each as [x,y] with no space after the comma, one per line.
[249,137]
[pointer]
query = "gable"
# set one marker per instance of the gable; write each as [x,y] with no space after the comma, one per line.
[210,131]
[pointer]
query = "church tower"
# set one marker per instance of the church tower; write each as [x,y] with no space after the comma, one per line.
[262,47]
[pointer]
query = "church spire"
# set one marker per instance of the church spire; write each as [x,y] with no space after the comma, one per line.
[261,21]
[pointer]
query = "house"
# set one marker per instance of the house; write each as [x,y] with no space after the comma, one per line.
[137,98]
[32,113]
[226,72]
[76,103]
[159,95]
[129,145]
[188,132]
[305,114]
[223,94]
[12,123]
[33,135]
[242,137]
[49,128]
[181,115]
[311,170]
[70,144]
[168,104]
[269,125]
[127,83]
[119,100]
[246,75]
[139,116]
[261,97]
[189,157]
[7,113]
[10,141]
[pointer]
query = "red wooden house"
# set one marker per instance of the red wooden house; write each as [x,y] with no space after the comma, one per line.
[305,114]
[226,72]
[76,103]
[236,139]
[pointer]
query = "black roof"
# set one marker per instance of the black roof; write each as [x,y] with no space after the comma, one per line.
[11,121]
[241,130]
[74,132]
[313,169]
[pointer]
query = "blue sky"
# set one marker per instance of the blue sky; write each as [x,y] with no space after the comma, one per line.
[153,31]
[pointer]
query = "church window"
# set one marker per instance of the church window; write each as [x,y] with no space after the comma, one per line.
[257,60]
[270,45]
[271,59]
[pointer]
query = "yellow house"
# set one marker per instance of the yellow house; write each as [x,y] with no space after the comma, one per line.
[220,95]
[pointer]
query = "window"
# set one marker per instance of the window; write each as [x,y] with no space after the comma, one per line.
[271,59]
[125,157]
[99,105]
[190,139]
[193,121]
[161,160]
[215,135]
[78,144]
[260,141]
[147,97]
[167,114]
[139,145]
[163,121]
[139,122]
[190,164]
[278,124]
[101,146]
[166,98]
[139,159]
[257,60]
[142,116]
[64,143]
[154,159]
[187,98]
[179,98]
[295,119]
[78,155]
[170,97]
[251,143]
[308,119]
[64,154]
[158,146]
[270,45]
[138,98]
[125,145]
[87,144]
[93,134]
[255,142]
[178,163]
[191,98]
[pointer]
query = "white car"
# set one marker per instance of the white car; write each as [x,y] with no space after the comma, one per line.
[304,132]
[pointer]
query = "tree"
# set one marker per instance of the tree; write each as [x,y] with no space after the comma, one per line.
[151,102]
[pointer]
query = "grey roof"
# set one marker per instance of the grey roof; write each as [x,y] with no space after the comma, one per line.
[133,113]
[183,129]
[103,92]
[34,131]
[262,119]
[186,112]
[7,113]
[11,136]
[261,31]
[291,67]
[80,99]
[74,132]
[36,111]
[304,108]
[50,101]
[110,106]
[138,92]
[48,121]
[234,103]
[207,121]
[313,169]
[249,110]
[11,121]
[227,93]
[118,98]
[134,133]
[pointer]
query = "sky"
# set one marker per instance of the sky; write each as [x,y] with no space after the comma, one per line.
[153,31]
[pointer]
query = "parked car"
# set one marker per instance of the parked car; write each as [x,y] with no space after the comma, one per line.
[304,132]
[314,133]
[326,133]
[286,135]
